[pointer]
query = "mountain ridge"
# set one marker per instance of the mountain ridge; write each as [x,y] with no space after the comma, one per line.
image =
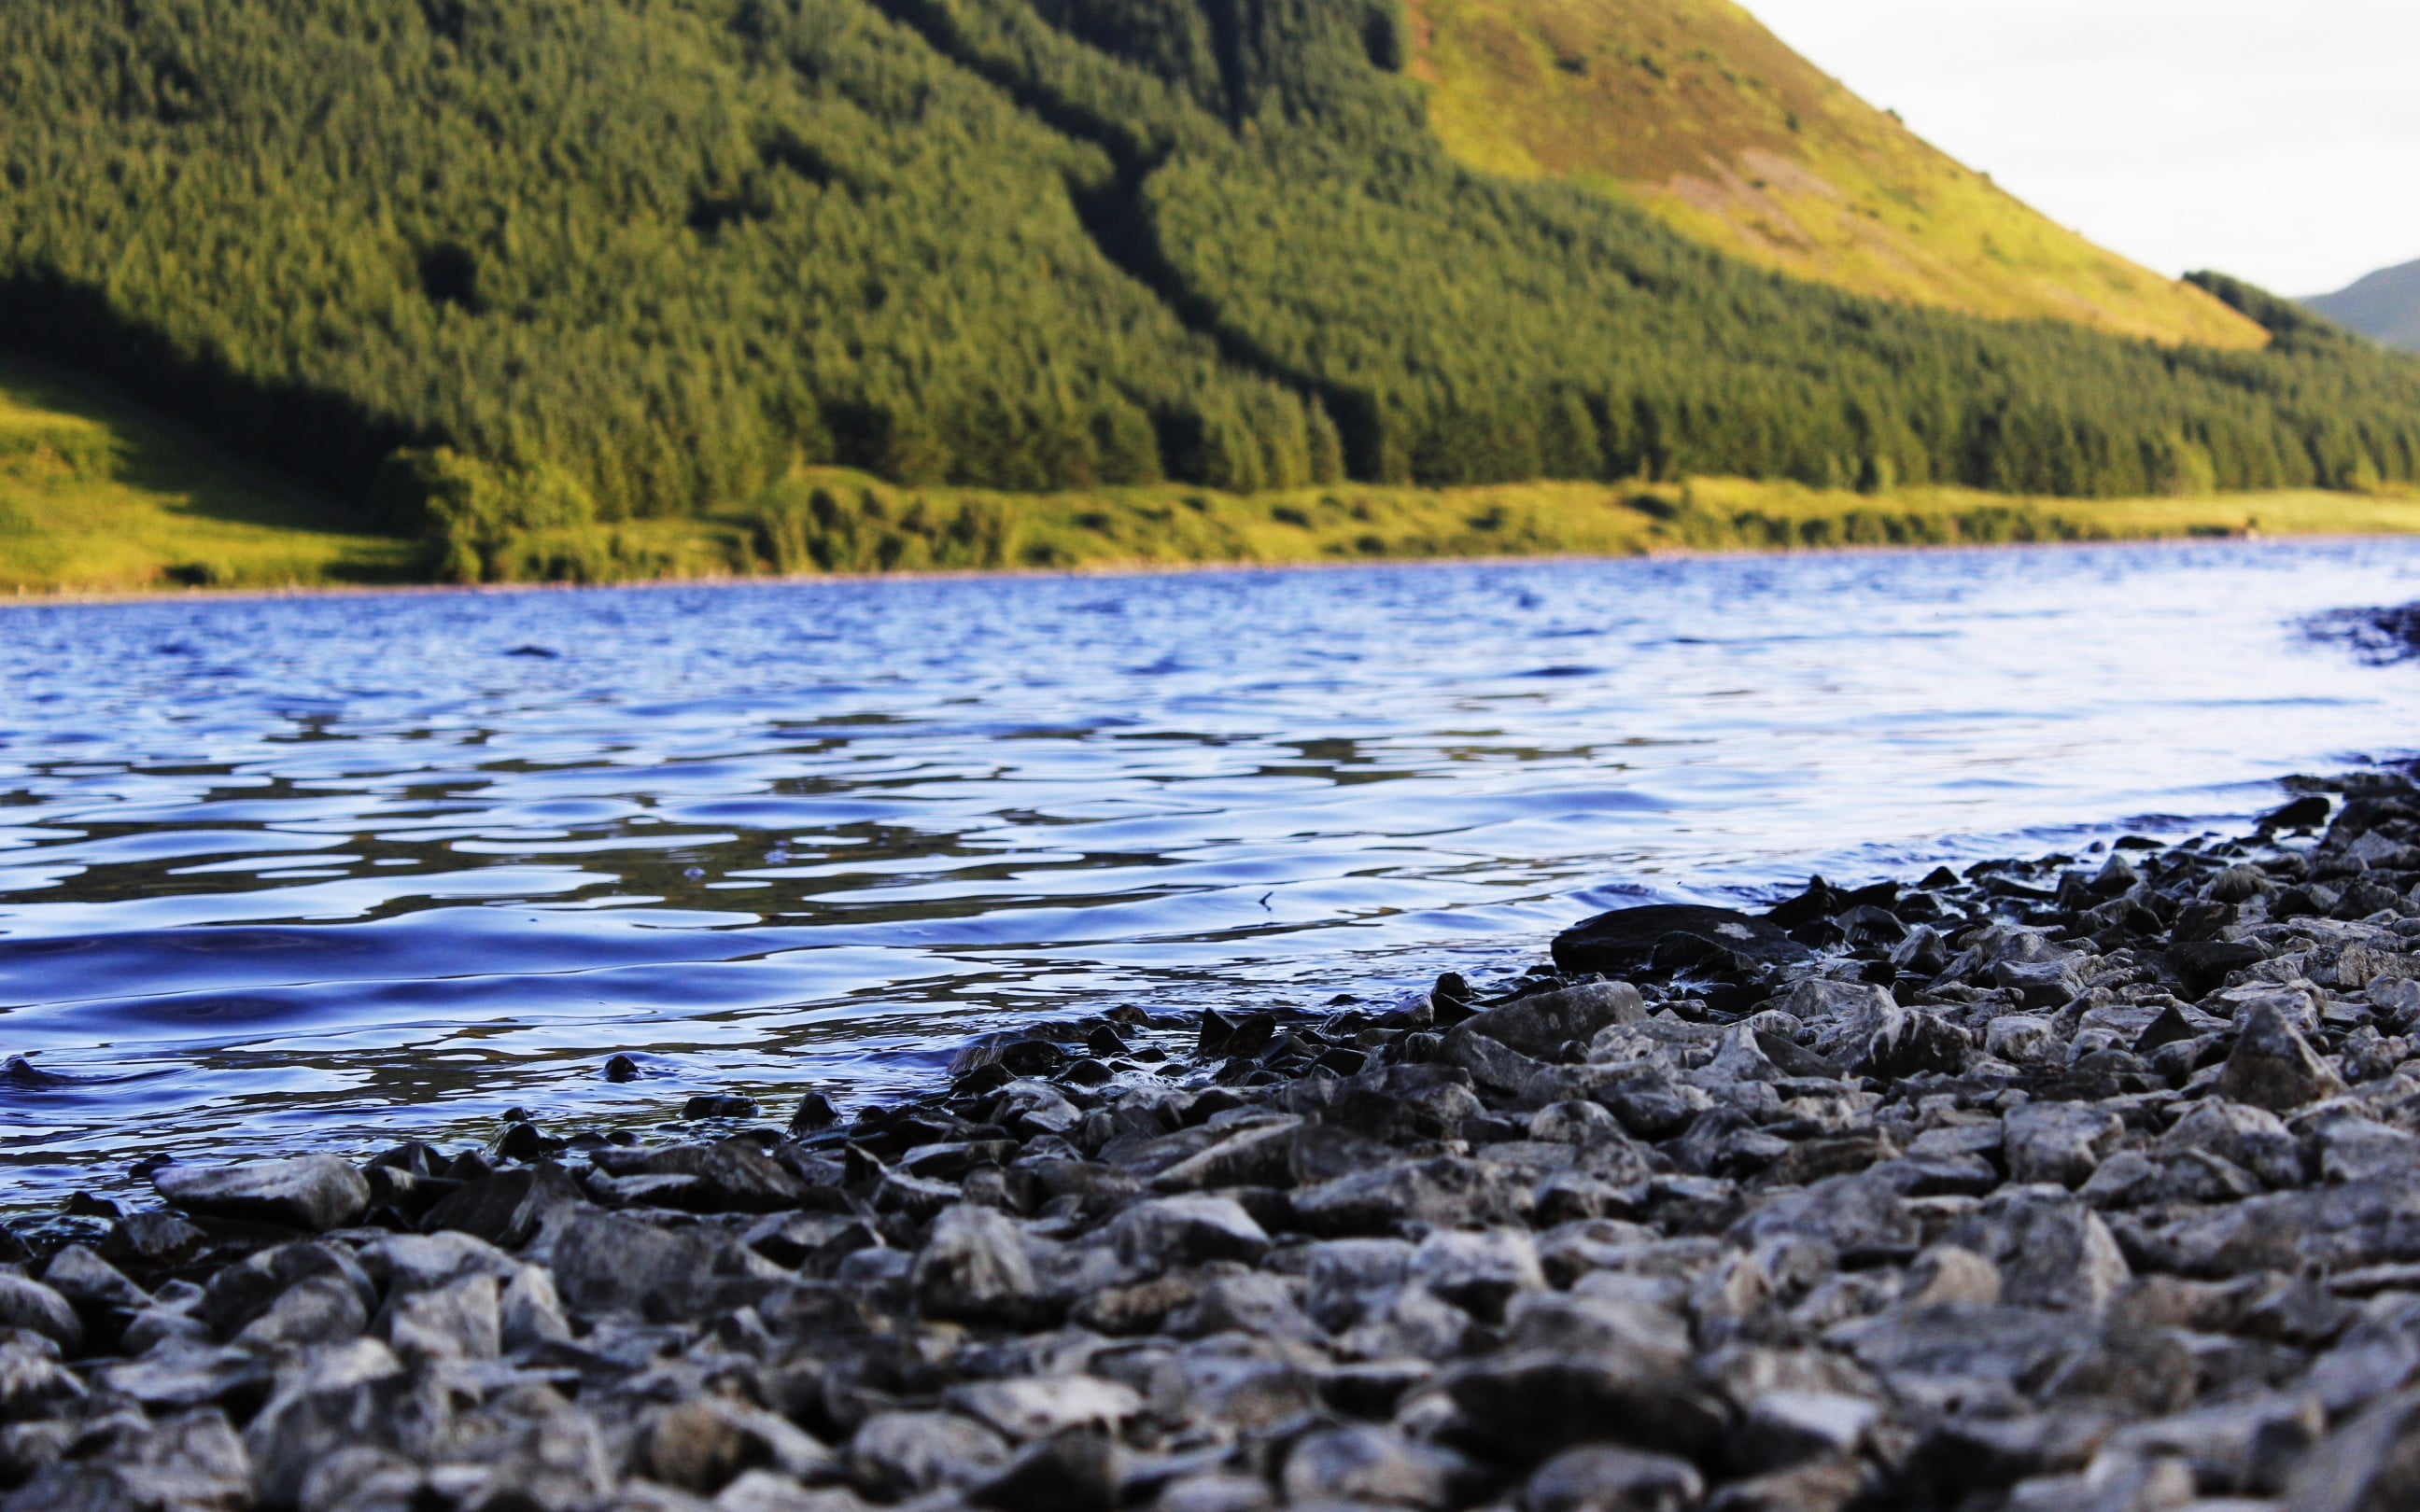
[2383,305]
[1695,110]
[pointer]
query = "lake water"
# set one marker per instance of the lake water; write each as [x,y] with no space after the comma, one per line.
[329,873]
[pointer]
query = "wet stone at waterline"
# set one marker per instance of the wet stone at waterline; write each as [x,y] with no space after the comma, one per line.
[1818,1222]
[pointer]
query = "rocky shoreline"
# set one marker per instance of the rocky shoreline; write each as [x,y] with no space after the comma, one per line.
[2084,1184]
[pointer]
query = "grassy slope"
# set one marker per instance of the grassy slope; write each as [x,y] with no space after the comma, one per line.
[122,537]
[95,496]
[1695,110]
[881,528]
[1375,524]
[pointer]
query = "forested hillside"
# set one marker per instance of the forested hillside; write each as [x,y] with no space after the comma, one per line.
[501,264]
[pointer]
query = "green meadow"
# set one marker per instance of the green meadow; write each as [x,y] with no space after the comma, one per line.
[97,497]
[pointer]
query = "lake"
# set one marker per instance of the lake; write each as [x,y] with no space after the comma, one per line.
[329,873]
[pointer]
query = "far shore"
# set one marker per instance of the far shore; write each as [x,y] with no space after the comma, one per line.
[881,529]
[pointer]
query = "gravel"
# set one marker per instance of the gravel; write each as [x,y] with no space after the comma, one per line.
[2080,1183]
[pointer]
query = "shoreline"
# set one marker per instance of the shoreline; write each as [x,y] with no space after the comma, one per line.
[832,523]
[22,599]
[2090,1182]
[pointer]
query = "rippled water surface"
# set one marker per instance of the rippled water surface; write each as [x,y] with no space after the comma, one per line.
[326,873]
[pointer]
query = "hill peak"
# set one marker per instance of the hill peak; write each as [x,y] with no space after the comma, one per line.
[1697,113]
[2384,305]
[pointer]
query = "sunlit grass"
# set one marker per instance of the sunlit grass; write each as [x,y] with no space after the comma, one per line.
[96,497]
[864,526]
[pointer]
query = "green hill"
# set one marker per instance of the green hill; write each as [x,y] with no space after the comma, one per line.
[2384,307]
[1694,111]
[483,268]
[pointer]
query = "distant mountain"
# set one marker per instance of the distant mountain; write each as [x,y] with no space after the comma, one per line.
[2385,305]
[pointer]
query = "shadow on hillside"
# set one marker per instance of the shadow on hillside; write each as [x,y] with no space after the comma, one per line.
[192,477]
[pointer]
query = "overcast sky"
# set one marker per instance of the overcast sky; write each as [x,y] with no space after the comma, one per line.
[2278,140]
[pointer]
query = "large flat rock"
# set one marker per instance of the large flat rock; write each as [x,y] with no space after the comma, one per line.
[1626,939]
[314,1193]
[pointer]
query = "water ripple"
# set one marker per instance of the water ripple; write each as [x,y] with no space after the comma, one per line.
[328,871]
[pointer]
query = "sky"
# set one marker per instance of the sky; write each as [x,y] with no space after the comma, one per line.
[2276,140]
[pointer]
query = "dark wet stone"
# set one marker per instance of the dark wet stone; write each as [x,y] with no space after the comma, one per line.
[814,1241]
[1542,1023]
[1479,1270]
[506,1208]
[2039,984]
[84,1205]
[621,1069]
[974,1267]
[314,1193]
[18,1073]
[728,1176]
[1167,1232]
[150,1239]
[1861,1217]
[2369,1223]
[2309,811]
[100,1293]
[461,1321]
[1450,1191]
[1648,1100]
[1235,1035]
[1258,1155]
[1820,901]
[1965,1348]
[2053,1251]
[1072,1473]
[2061,1143]
[604,1263]
[719,1106]
[952,1160]
[2170,1027]
[521,1141]
[242,1295]
[2251,1138]
[1907,1041]
[29,1304]
[2271,1065]
[1627,939]
[1408,1103]
[1531,1404]
[2204,965]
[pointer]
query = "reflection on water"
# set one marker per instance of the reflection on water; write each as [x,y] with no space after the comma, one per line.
[328,871]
